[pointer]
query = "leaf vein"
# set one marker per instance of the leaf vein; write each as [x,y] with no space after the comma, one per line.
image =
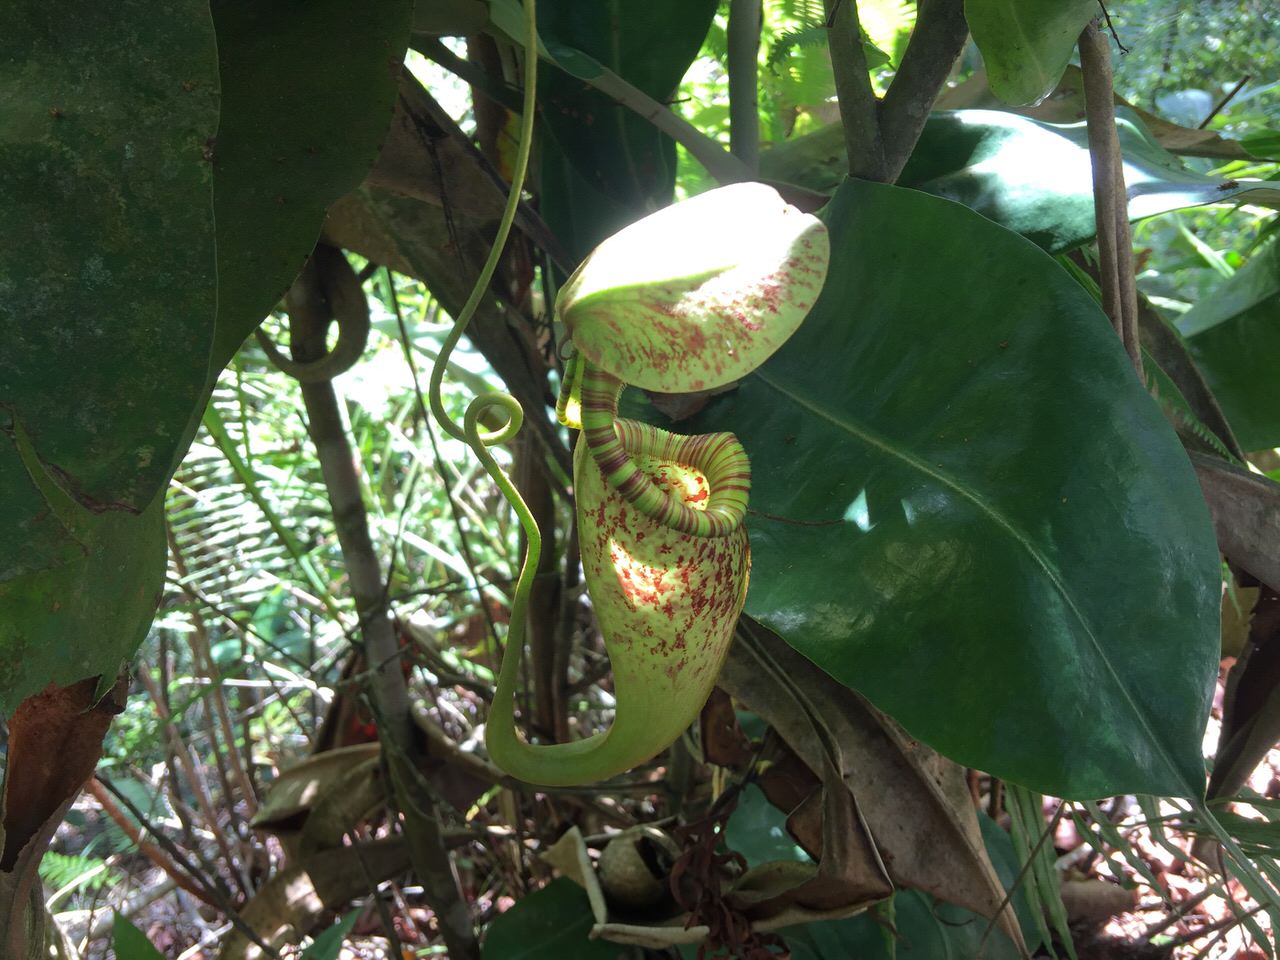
[1048,568]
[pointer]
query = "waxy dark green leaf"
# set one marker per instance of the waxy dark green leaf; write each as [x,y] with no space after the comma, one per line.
[1029,175]
[1026,44]
[1036,178]
[84,617]
[549,924]
[966,507]
[307,90]
[1234,336]
[107,266]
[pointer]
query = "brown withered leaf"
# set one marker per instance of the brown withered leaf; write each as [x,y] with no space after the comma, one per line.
[55,741]
[766,898]
[1245,508]
[424,156]
[915,803]
[1251,704]
[295,900]
[849,877]
[723,742]
[300,787]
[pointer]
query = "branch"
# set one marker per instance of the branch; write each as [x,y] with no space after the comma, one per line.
[310,309]
[744,110]
[311,306]
[199,789]
[1110,200]
[853,89]
[935,43]
[722,165]
[158,857]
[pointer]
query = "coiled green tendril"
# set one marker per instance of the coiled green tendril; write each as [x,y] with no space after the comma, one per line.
[507,750]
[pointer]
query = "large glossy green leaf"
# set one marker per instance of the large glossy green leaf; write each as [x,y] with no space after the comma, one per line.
[84,617]
[1026,43]
[549,924]
[1234,336]
[107,264]
[307,89]
[1028,175]
[1066,105]
[606,165]
[967,507]
[117,301]
[1036,177]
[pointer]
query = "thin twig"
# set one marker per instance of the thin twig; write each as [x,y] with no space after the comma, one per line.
[1221,926]
[204,657]
[503,94]
[198,787]
[1230,95]
[153,853]
[719,162]
[220,899]
[742,64]
[1110,200]
[1024,873]
[1111,29]
[939,36]
[309,316]
[101,924]
[455,503]
[1179,911]
[853,89]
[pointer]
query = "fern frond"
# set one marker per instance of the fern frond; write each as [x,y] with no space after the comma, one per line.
[78,871]
[1178,411]
[809,35]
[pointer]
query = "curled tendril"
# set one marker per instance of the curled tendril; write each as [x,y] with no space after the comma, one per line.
[328,276]
[500,730]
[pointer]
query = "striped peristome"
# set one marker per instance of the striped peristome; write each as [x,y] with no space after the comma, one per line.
[615,443]
[690,298]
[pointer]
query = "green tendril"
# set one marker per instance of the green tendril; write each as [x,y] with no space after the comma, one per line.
[501,725]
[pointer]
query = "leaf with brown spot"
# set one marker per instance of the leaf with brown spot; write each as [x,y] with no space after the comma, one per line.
[55,741]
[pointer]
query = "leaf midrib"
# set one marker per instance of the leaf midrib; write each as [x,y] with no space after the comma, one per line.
[1046,566]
